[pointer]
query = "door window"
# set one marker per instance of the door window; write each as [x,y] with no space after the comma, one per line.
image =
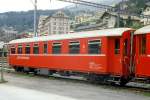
[142,45]
[125,47]
[117,46]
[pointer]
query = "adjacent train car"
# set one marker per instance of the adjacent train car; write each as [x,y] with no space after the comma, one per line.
[101,54]
[142,53]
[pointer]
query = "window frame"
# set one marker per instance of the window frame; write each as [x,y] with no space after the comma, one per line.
[100,46]
[71,43]
[27,46]
[12,47]
[56,44]
[20,47]
[36,46]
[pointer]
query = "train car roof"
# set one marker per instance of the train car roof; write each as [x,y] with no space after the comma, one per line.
[85,34]
[143,30]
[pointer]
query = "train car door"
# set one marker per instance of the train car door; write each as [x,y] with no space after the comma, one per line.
[143,57]
[127,56]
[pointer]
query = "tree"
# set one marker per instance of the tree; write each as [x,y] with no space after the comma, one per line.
[137,25]
[129,22]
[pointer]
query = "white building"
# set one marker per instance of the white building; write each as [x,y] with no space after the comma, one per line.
[8,33]
[83,18]
[110,19]
[146,12]
[57,23]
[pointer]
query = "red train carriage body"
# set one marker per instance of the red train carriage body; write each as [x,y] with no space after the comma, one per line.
[103,52]
[142,57]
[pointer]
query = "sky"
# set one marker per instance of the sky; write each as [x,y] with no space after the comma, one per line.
[25,5]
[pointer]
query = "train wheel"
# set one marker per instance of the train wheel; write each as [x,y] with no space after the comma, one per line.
[35,72]
[96,79]
[16,69]
[123,81]
[50,72]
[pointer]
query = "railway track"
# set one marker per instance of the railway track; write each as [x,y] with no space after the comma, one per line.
[132,86]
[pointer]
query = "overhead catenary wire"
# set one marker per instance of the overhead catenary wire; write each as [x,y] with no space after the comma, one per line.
[104,7]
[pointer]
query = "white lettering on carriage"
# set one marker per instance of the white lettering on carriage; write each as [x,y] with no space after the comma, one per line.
[93,65]
[23,57]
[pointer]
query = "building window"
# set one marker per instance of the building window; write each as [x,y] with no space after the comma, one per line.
[54,27]
[74,47]
[59,32]
[117,46]
[19,49]
[94,47]
[54,32]
[56,49]
[142,46]
[45,48]
[13,50]
[54,23]
[27,49]
[36,49]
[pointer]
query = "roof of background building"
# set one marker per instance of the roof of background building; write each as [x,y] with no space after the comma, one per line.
[123,16]
[148,4]
[143,30]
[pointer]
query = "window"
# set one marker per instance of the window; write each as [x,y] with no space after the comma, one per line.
[56,49]
[54,32]
[74,47]
[13,50]
[54,27]
[27,49]
[142,46]
[45,48]
[59,32]
[36,49]
[94,47]
[117,46]
[19,49]
[54,23]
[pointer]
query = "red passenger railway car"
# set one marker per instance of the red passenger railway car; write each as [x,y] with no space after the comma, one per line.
[101,54]
[142,54]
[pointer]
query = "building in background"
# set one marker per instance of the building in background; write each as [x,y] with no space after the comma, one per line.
[41,24]
[110,20]
[146,13]
[26,35]
[7,34]
[104,19]
[57,23]
[83,18]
